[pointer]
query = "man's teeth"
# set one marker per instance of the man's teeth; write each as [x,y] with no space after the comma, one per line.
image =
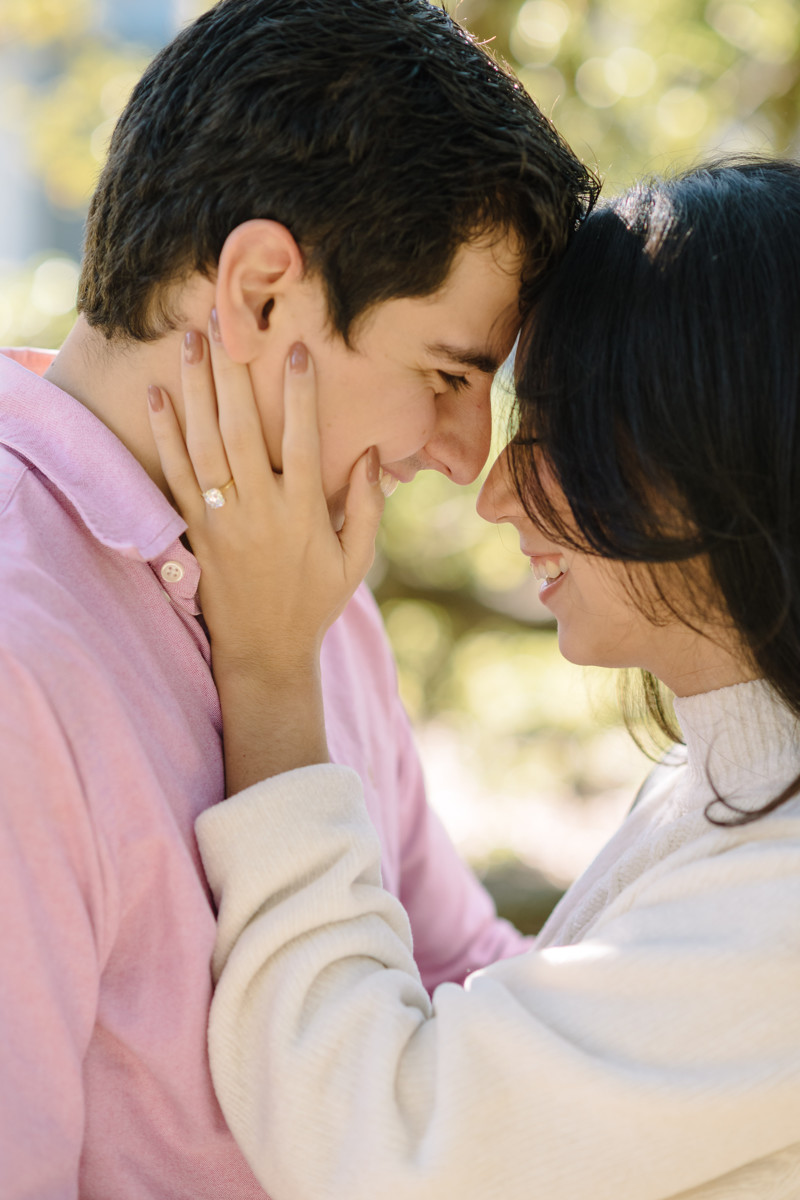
[548,568]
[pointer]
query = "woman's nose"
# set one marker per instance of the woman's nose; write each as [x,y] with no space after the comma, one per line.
[497,499]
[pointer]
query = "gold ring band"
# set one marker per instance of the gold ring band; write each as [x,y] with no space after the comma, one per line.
[214,497]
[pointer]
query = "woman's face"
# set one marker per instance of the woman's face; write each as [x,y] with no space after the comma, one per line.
[599,623]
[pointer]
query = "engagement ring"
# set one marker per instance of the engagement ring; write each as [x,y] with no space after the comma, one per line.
[214,497]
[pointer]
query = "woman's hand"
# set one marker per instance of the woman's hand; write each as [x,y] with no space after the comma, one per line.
[275,573]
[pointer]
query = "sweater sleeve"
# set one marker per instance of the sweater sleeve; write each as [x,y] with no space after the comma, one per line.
[660,1053]
[454,923]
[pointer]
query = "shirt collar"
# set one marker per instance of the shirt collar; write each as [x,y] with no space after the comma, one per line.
[113,494]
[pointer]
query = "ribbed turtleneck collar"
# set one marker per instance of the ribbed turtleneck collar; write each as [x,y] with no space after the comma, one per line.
[743,737]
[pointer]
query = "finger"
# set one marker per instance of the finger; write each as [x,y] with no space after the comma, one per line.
[363,510]
[173,455]
[238,417]
[203,437]
[302,467]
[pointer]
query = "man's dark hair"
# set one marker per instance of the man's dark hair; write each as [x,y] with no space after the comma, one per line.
[377,131]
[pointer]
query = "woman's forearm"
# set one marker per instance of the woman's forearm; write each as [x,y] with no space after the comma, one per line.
[273,722]
[547,1076]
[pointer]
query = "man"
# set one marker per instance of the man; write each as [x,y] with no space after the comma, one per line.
[357,176]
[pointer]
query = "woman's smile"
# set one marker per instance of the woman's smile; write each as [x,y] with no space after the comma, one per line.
[548,567]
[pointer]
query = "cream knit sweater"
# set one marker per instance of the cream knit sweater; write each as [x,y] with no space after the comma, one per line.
[649,1047]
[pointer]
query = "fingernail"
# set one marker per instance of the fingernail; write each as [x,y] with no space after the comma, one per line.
[154,398]
[213,325]
[389,483]
[373,465]
[192,346]
[298,358]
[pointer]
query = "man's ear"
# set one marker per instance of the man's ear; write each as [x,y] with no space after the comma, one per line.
[260,261]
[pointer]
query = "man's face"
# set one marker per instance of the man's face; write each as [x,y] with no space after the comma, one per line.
[416,383]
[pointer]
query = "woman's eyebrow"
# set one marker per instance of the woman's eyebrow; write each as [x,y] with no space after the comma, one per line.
[481,360]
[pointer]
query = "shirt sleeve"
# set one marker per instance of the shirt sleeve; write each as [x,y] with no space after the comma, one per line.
[454,923]
[52,885]
[658,1054]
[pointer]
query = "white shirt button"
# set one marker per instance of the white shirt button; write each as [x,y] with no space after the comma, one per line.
[172,572]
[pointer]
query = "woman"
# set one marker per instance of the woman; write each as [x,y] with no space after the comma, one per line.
[649,1046]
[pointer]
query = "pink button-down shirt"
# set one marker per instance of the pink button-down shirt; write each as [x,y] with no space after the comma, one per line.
[109,749]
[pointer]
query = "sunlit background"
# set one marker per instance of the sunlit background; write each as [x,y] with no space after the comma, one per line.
[525,756]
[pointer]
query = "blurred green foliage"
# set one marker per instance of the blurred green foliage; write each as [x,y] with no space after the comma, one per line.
[638,87]
[635,88]
[62,87]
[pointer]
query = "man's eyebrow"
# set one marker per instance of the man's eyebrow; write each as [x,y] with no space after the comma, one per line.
[481,360]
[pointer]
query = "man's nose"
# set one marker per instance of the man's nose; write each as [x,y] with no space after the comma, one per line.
[462,435]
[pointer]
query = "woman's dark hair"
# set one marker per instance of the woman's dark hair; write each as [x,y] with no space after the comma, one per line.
[377,131]
[660,378]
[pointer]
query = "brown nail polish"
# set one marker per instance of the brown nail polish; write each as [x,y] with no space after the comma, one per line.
[193,346]
[373,465]
[298,358]
[213,325]
[154,398]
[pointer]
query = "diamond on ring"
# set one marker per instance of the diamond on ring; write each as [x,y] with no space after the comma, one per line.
[214,497]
